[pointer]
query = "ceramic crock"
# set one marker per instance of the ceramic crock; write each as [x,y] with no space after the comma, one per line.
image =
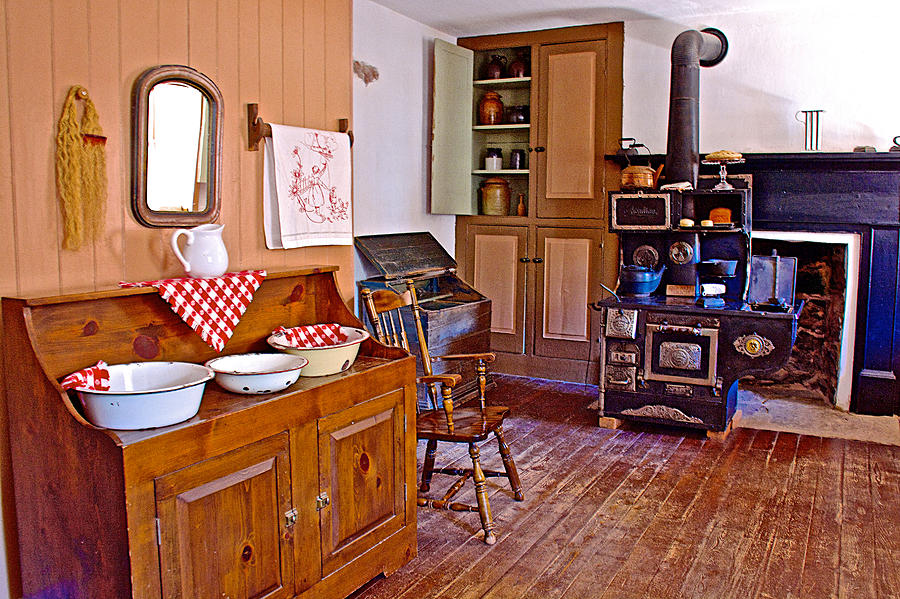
[490,109]
[495,197]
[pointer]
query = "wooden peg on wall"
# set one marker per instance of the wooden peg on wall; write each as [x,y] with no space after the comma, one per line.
[257,128]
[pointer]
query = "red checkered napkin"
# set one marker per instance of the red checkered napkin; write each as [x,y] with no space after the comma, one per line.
[313,335]
[212,307]
[95,378]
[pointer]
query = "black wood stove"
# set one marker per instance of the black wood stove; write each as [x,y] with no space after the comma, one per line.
[695,310]
[674,355]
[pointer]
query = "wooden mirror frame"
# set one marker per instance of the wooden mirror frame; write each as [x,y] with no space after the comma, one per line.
[140,101]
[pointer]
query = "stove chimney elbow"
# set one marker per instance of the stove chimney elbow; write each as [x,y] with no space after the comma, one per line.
[691,50]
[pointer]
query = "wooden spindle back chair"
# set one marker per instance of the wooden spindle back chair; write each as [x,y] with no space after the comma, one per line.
[441,422]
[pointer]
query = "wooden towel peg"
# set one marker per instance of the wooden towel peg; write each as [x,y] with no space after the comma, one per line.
[257,128]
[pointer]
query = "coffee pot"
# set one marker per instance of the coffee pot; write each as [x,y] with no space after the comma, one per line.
[204,254]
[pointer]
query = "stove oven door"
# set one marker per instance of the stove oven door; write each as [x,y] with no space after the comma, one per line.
[681,354]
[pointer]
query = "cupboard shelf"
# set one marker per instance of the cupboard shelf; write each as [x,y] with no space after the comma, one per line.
[501,127]
[503,171]
[507,83]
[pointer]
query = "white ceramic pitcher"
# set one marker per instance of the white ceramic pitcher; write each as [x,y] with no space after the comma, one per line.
[204,252]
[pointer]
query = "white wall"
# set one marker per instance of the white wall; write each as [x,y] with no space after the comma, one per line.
[392,128]
[838,58]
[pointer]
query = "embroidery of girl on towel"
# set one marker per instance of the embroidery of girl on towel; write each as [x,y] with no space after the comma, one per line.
[312,190]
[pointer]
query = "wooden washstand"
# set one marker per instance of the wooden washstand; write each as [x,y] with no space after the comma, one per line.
[305,492]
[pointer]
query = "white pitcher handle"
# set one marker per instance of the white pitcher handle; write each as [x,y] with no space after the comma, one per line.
[190,239]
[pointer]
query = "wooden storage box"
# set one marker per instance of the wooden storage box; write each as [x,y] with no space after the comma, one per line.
[456,318]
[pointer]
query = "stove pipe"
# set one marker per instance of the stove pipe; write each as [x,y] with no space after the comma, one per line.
[690,50]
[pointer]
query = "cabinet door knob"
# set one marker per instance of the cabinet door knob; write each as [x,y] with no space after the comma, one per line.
[540,149]
[537,260]
[525,259]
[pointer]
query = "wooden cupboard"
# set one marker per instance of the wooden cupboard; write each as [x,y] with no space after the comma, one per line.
[540,269]
[306,492]
[540,280]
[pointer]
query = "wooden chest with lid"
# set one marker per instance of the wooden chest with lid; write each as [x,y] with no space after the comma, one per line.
[456,318]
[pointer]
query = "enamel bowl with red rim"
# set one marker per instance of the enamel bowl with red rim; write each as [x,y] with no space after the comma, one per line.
[146,395]
[324,360]
[257,373]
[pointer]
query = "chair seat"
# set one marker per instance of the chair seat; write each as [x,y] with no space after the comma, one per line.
[469,424]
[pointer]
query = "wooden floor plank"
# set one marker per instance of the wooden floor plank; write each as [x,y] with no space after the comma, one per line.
[612,546]
[552,501]
[694,525]
[538,470]
[820,566]
[743,500]
[785,567]
[636,513]
[743,577]
[632,579]
[857,531]
[605,502]
[884,469]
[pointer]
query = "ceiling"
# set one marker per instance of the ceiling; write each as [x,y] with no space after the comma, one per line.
[476,17]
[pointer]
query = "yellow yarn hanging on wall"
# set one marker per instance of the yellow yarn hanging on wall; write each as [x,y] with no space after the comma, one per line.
[80,170]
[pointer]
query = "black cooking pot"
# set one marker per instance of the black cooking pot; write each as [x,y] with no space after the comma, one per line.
[639,280]
[717,268]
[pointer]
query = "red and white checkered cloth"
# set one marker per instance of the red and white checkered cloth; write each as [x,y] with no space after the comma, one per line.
[95,378]
[212,307]
[313,335]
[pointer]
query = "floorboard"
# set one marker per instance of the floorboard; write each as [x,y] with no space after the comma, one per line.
[659,512]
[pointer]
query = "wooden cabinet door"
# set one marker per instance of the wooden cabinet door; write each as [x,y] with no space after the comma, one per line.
[571,129]
[451,135]
[224,525]
[496,254]
[361,470]
[565,282]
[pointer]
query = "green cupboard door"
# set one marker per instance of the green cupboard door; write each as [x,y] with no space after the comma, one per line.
[451,134]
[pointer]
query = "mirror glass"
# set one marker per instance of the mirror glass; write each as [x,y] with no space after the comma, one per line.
[176,147]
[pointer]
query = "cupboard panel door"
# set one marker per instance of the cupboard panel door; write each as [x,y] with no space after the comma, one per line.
[565,282]
[451,147]
[361,469]
[499,274]
[571,128]
[223,530]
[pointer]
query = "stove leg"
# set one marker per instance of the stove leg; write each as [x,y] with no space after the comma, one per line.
[722,435]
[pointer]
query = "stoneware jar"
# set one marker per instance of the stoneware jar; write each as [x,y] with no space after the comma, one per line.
[494,69]
[519,66]
[517,114]
[495,197]
[490,109]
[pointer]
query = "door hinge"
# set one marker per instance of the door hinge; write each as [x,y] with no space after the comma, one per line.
[404,425]
[290,517]
[158,533]
[322,501]
[405,492]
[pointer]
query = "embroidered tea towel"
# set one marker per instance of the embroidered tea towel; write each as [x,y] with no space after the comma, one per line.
[212,307]
[306,188]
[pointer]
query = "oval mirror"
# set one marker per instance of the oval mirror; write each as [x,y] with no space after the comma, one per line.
[176,147]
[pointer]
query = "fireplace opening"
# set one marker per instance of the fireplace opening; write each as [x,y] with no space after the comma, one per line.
[821,361]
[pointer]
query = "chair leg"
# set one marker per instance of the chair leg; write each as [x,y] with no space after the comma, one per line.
[428,465]
[484,509]
[511,472]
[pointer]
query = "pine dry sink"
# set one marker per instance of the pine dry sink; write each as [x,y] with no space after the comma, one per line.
[305,492]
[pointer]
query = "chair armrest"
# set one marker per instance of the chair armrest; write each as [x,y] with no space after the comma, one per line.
[445,380]
[487,357]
